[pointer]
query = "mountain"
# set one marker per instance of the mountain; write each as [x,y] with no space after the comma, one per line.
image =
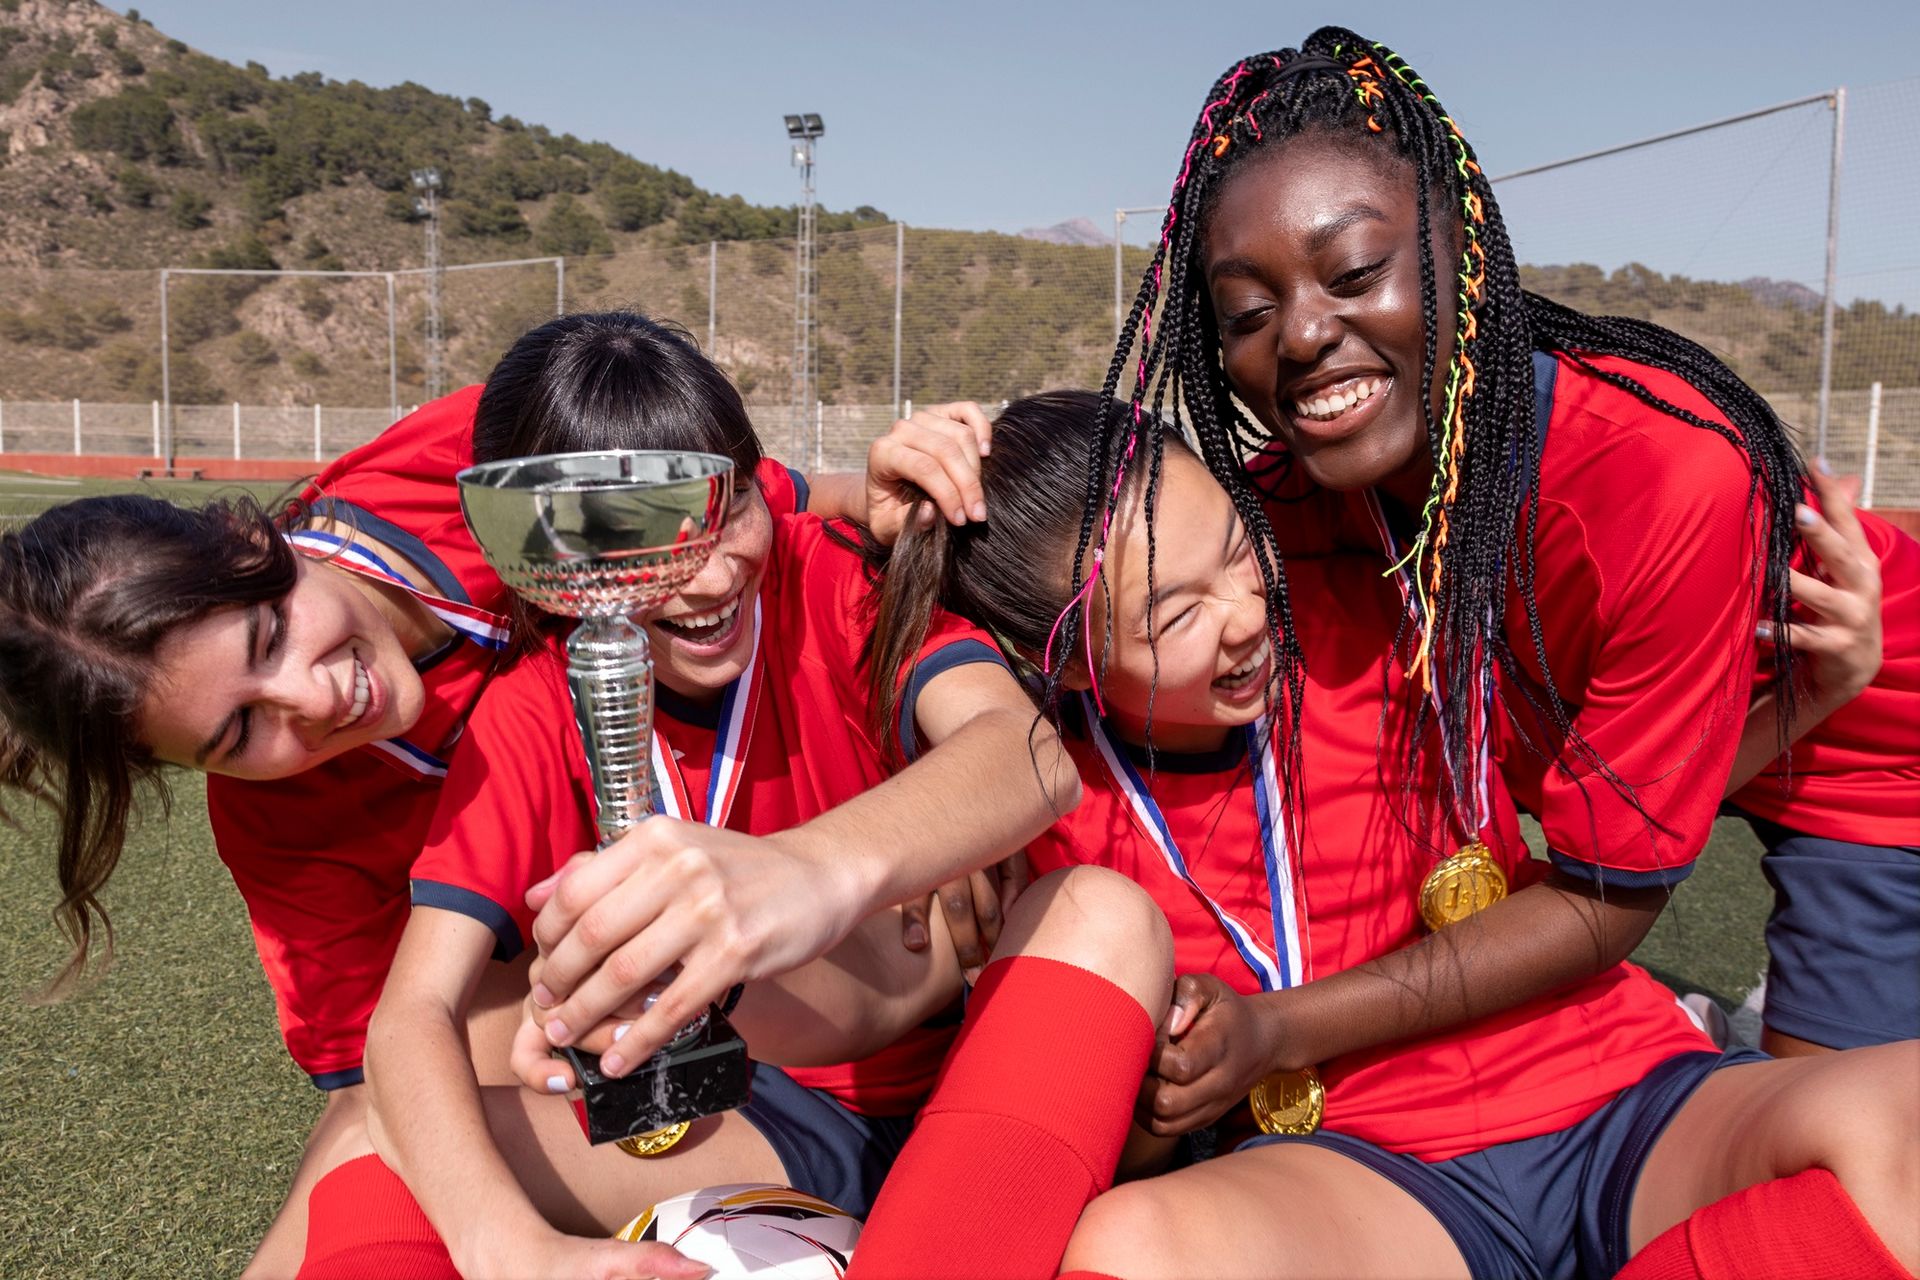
[1076,231]
[124,148]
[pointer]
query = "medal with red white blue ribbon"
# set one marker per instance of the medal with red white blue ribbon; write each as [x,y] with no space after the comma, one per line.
[1283,1101]
[737,707]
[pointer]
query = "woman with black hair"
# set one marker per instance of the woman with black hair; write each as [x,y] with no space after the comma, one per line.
[318,665]
[1428,1093]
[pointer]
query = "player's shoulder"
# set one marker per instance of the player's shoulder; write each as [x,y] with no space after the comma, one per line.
[1614,446]
[430,445]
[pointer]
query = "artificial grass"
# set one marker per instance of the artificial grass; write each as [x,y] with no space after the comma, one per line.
[149,1125]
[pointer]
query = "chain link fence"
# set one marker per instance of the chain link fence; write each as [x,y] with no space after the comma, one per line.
[1719,233]
[1722,235]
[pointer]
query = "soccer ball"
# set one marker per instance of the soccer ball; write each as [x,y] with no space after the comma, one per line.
[753,1231]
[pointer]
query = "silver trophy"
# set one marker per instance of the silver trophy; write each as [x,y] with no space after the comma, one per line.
[601,537]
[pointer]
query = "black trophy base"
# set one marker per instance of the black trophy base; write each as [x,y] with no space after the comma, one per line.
[707,1074]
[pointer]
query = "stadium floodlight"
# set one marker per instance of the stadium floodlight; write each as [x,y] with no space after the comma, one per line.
[426,179]
[803,130]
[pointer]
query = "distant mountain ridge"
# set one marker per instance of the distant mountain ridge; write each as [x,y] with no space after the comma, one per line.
[1081,231]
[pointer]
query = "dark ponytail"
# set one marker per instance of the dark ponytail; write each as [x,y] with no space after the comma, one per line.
[1011,575]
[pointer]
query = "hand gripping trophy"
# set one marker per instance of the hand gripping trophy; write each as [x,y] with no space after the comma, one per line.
[601,537]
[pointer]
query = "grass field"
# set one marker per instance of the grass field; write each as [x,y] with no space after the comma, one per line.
[148,1126]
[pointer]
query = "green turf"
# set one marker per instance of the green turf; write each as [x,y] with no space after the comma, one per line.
[148,1127]
[24,496]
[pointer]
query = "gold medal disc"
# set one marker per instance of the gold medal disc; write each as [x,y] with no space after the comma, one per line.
[1290,1102]
[657,1143]
[1458,886]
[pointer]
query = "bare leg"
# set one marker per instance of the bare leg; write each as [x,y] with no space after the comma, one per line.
[340,1134]
[1286,1210]
[1781,1045]
[1853,1113]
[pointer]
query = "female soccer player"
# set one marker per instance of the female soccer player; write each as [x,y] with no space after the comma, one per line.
[1587,514]
[1402,1083]
[760,735]
[320,674]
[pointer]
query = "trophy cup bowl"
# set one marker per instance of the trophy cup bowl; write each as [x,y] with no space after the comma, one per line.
[601,537]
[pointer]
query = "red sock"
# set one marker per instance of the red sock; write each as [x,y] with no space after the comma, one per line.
[1788,1229]
[1024,1128]
[362,1221]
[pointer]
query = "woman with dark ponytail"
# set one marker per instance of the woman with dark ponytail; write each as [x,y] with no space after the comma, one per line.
[1395,1079]
[318,663]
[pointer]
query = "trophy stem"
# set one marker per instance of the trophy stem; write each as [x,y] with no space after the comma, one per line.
[610,673]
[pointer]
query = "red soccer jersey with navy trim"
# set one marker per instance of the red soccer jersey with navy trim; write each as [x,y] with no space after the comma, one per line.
[517,801]
[1855,776]
[1535,1069]
[322,858]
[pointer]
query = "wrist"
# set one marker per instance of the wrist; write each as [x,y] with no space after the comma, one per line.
[845,878]
[496,1246]
[1284,1045]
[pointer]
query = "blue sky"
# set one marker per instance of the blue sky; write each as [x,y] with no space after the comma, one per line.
[993,114]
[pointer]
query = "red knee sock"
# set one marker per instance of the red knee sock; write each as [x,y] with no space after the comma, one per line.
[1793,1228]
[1023,1129]
[362,1221]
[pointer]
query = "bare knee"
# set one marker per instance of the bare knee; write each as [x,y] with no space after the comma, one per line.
[1123,1232]
[1100,921]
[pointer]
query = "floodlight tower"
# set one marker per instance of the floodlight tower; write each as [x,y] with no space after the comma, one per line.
[427,205]
[804,130]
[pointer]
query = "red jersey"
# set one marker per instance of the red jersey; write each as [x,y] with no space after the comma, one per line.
[1856,775]
[518,800]
[321,858]
[1532,1070]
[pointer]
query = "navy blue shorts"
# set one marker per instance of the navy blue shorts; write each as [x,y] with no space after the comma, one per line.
[1843,943]
[1547,1208]
[828,1149]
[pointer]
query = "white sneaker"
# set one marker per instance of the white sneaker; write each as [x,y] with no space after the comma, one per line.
[1708,1016]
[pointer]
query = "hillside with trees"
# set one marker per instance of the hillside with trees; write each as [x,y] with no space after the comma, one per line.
[122,150]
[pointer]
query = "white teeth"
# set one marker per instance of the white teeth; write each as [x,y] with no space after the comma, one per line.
[1327,407]
[1242,673]
[361,689]
[695,621]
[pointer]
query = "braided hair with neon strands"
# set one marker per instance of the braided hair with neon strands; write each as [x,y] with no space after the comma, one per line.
[1482,434]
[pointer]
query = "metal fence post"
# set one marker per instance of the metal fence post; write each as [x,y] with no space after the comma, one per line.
[899,288]
[819,435]
[713,288]
[236,430]
[156,428]
[1119,273]
[1873,446]
[393,354]
[3,426]
[1833,250]
[76,428]
[166,373]
[316,433]
[559,286]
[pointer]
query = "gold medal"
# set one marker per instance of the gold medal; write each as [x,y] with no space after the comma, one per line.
[1458,886]
[657,1143]
[1289,1102]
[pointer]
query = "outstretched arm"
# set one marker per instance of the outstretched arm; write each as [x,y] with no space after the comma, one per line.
[1546,936]
[745,907]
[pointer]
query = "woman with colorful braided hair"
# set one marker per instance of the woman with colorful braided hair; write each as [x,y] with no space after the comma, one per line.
[1587,514]
[1354,1052]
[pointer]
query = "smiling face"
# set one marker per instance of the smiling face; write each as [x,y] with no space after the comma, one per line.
[1208,622]
[1313,266]
[267,690]
[703,638]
